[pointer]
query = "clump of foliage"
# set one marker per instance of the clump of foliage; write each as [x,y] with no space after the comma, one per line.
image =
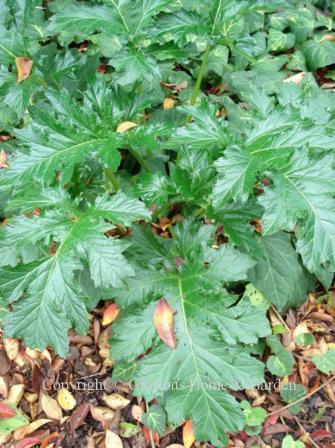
[116,114]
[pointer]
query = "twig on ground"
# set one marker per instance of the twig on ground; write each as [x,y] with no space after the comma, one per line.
[302,429]
[278,315]
[303,398]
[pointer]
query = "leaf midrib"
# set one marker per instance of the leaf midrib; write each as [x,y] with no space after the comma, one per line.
[55,259]
[191,345]
[310,205]
[69,148]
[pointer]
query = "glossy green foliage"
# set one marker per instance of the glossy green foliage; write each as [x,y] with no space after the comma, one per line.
[213,114]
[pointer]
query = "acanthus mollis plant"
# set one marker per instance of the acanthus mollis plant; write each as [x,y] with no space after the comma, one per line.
[214,333]
[92,161]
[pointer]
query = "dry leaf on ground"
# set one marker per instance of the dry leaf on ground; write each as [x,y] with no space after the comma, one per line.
[32,427]
[188,435]
[51,408]
[163,321]
[66,400]
[102,414]
[116,401]
[125,126]
[112,440]
[24,66]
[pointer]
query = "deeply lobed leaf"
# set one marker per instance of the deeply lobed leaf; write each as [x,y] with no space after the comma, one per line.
[231,148]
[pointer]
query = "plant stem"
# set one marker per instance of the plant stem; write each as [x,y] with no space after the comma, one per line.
[204,60]
[199,211]
[112,178]
[140,159]
[200,76]
[279,317]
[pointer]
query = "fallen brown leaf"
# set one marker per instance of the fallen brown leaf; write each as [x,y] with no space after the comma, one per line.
[50,440]
[137,412]
[188,435]
[163,322]
[4,386]
[321,316]
[110,314]
[102,414]
[115,401]
[31,397]
[21,359]
[295,79]
[168,103]
[33,354]
[24,66]
[176,87]
[103,344]
[96,330]
[28,442]
[259,401]
[328,37]
[320,435]
[78,416]
[4,363]
[66,400]
[277,428]
[125,126]
[4,138]
[3,159]
[112,440]
[32,427]
[16,393]
[51,408]
[80,340]
[148,435]
[12,348]
[36,379]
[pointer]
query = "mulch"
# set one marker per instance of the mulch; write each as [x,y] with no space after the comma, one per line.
[88,371]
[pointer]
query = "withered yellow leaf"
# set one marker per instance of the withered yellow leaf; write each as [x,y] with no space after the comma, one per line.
[125,126]
[51,408]
[112,440]
[32,427]
[137,412]
[168,103]
[24,66]
[295,79]
[116,401]
[163,321]
[188,435]
[102,414]
[3,159]
[11,347]
[66,400]
[110,314]
[16,393]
